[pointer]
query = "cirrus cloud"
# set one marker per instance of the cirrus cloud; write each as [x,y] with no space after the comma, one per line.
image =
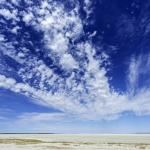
[58,69]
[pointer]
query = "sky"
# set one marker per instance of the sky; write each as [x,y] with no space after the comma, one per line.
[74,66]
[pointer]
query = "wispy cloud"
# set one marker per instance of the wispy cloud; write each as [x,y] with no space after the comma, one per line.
[41,117]
[138,67]
[134,68]
[138,87]
[58,69]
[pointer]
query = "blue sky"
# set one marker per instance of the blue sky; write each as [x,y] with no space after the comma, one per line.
[75,66]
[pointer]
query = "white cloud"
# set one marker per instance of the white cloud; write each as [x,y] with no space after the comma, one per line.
[141,102]
[2,39]
[59,44]
[88,7]
[86,96]
[38,117]
[138,66]
[8,14]
[68,62]
[15,2]
[28,17]
[133,74]
[99,104]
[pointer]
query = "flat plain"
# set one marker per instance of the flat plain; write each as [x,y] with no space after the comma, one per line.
[74,142]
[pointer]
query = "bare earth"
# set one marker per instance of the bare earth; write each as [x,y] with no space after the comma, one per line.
[74,142]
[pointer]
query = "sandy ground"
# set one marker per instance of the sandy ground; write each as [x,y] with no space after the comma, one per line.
[74,142]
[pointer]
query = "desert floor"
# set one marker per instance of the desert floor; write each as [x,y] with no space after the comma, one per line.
[74,142]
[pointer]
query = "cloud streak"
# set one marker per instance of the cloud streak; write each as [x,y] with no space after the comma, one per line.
[138,73]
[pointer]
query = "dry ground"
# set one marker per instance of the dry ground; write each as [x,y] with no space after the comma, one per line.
[74,142]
